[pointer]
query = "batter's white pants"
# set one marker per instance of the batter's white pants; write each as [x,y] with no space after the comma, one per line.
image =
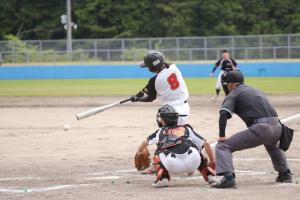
[181,163]
[182,109]
[219,83]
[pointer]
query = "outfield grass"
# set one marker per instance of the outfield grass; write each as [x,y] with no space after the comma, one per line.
[93,87]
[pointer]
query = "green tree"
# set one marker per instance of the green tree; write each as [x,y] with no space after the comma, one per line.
[36,19]
[31,19]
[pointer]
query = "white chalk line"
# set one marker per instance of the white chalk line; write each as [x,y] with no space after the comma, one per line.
[104,178]
[111,172]
[109,175]
[21,178]
[264,159]
[286,185]
[59,187]
[290,118]
[51,188]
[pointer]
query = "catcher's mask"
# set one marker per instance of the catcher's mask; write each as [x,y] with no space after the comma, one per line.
[154,60]
[233,76]
[169,115]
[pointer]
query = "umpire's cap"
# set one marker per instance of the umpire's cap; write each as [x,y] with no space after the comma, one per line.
[154,60]
[233,76]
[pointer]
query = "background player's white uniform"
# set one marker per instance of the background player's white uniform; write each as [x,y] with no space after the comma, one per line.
[180,163]
[227,64]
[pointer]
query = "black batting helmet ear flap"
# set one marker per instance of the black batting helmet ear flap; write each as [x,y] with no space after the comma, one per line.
[154,60]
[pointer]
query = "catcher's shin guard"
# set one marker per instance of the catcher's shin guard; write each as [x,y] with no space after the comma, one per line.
[161,172]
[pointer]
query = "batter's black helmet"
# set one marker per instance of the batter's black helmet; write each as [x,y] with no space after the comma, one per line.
[168,114]
[154,60]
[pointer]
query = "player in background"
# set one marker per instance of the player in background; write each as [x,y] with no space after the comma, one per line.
[167,85]
[227,64]
[178,149]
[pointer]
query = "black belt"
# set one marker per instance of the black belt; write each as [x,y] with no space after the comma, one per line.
[174,155]
[265,120]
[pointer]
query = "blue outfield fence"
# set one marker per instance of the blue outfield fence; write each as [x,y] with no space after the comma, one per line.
[253,69]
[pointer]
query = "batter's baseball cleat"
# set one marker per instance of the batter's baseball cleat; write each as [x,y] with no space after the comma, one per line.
[284,177]
[161,183]
[228,181]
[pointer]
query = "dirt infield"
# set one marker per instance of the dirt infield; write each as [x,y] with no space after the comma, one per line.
[94,159]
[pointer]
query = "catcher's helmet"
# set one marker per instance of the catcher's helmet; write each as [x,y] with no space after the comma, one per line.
[168,114]
[154,60]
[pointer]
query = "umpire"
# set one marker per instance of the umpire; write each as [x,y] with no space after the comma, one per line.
[252,106]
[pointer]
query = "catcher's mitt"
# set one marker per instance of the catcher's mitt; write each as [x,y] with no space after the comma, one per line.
[142,160]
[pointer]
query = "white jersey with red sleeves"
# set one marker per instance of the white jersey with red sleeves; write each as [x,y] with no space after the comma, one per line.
[170,86]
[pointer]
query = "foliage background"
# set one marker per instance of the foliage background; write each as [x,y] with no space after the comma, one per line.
[35,19]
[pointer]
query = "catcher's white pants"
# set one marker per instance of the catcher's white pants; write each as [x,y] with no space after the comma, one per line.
[219,83]
[182,109]
[181,163]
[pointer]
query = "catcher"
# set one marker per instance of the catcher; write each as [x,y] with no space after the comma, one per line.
[178,150]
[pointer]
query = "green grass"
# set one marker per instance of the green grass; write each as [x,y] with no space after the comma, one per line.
[92,87]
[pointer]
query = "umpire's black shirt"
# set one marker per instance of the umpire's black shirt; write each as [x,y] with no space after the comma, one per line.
[248,103]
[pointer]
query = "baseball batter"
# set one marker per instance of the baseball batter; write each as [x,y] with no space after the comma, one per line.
[252,106]
[178,149]
[227,64]
[168,85]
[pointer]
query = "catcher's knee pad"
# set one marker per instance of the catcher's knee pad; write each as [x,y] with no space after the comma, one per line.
[161,171]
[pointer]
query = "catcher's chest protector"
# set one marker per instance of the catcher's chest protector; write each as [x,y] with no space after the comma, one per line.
[171,136]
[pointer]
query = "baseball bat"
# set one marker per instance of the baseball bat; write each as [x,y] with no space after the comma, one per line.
[99,109]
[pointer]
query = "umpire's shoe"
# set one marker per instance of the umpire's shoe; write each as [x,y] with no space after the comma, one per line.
[228,181]
[284,177]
